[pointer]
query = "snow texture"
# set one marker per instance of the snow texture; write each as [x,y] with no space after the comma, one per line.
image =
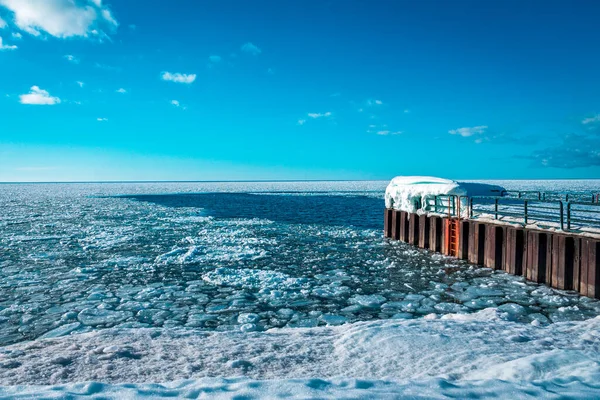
[408,193]
[458,355]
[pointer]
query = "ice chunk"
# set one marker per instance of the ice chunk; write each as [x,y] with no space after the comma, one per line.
[95,316]
[61,330]
[368,301]
[331,319]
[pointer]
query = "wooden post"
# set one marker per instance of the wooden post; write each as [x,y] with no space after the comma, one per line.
[395,225]
[539,256]
[563,261]
[463,240]
[404,226]
[387,222]
[435,233]
[424,229]
[494,246]
[590,268]
[514,251]
[476,243]
[413,229]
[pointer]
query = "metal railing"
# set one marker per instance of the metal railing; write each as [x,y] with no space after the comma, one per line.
[582,197]
[560,214]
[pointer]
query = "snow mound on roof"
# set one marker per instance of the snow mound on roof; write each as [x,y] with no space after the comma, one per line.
[408,193]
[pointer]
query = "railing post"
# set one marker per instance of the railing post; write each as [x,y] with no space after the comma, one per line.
[525,209]
[539,195]
[562,217]
[568,216]
[471,207]
[435,199]
[496,208]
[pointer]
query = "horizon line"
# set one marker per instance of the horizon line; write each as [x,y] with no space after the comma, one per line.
[279,180]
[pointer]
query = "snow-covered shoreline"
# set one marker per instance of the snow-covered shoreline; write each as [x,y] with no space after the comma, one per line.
[458,355]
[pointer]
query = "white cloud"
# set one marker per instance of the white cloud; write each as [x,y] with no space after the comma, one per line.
[591,120]
[80,83]
[6,46]
[121,90]
[62,18]
[72,58]
[249,48]
[388,132]
[3,23]
[301,121]
[406,111]
[319,115]
[17,35]
[177,104]
[214,59]
[466,132]
[177,77]
[39,97]
[372,103]
[102,119]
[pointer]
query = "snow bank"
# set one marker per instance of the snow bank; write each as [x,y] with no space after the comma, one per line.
[477,356]
[408,193]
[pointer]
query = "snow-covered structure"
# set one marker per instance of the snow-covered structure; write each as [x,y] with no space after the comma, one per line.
[411,193]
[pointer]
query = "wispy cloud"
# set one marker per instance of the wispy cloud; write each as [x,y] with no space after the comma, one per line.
[382,130]
[106,67]
[301,122]
[72,58]
[62,18]
[3,23]
[17,35]
[38,96]
[319,115]
[121,90]
[251,49]
[469,131]
[575,151]
[81,84]
[6,46]
[374,102]
[591,120]
[102,119]
[179,78]
[214,59]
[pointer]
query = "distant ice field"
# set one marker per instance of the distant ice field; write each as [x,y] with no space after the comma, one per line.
[108,266]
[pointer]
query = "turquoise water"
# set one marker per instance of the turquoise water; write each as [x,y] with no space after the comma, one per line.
[233,256]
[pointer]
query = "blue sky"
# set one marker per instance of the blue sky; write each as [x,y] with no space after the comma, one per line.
[226,90]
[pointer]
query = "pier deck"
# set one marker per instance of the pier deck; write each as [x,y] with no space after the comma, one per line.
[550,238]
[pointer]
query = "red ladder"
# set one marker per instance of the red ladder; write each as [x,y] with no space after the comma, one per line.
[453,235]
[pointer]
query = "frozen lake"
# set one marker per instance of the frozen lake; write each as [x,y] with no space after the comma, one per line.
[86,268]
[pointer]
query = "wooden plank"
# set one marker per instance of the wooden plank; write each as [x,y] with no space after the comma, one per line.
[463,240]
[413,229]
[387,222]
[489,256]
[539,256]
[404,226]
[514,251]
[395,225]
[435,233]
[590,265]
[424,228]
[476,243]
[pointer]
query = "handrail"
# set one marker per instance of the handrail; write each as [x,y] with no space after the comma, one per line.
[559,214]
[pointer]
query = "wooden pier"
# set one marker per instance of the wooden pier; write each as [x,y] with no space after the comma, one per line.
[562,260]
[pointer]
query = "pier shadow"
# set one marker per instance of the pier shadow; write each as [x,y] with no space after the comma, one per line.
[358,211]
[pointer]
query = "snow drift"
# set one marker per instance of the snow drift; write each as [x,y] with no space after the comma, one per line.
[409,193]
